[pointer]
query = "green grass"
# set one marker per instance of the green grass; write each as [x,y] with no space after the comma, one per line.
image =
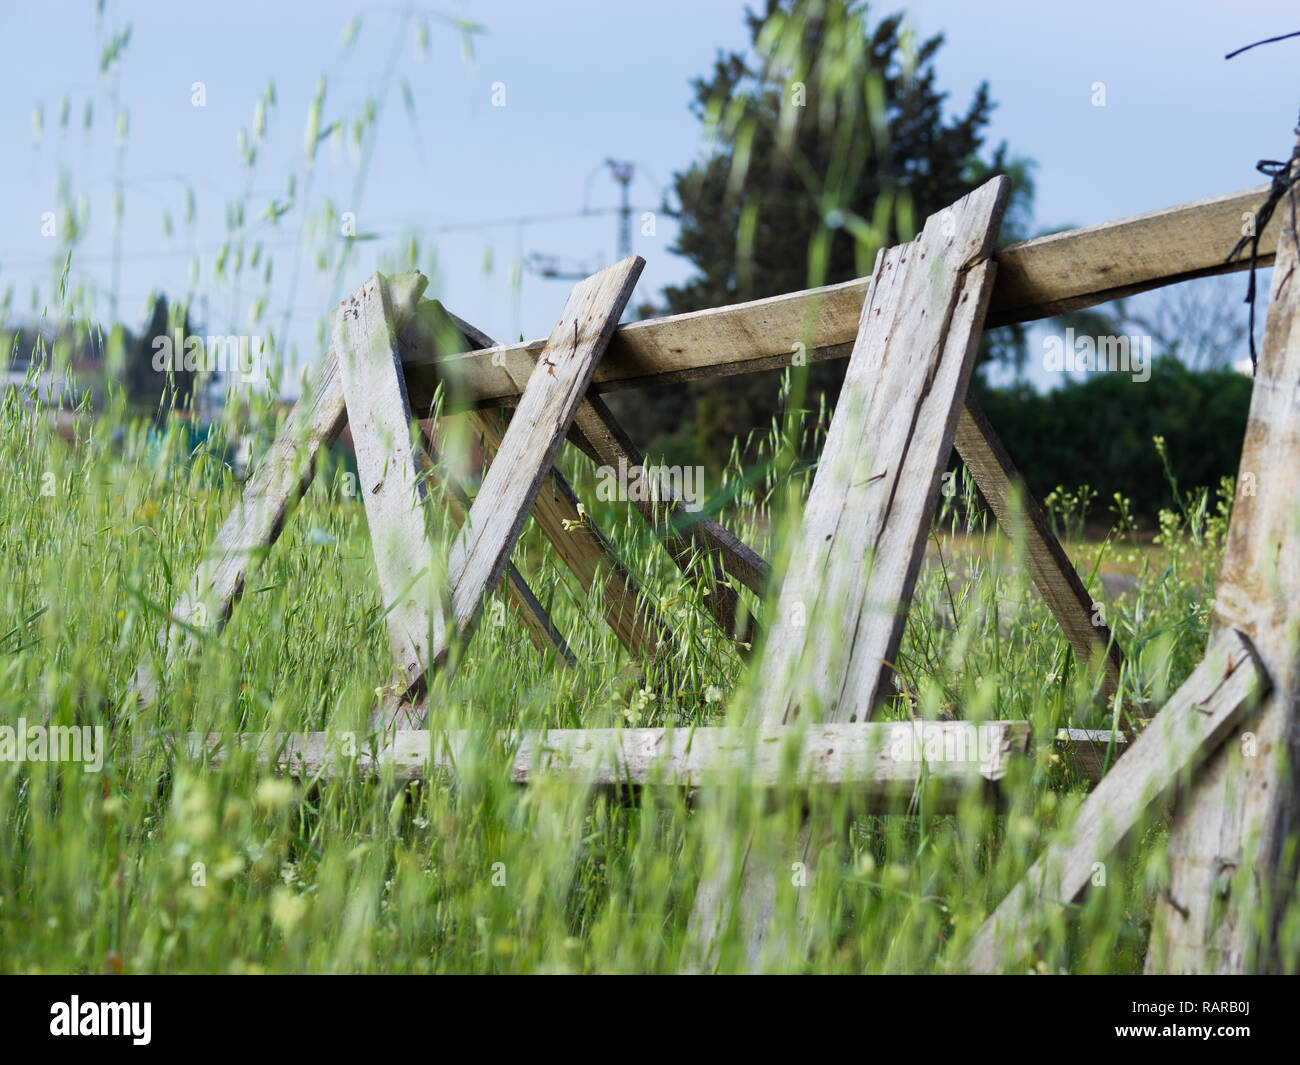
[163,865]
[159,864]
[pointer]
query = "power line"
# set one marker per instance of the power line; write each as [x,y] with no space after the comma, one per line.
[288,241]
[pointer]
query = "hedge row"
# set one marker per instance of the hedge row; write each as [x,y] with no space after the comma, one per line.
[1098,431]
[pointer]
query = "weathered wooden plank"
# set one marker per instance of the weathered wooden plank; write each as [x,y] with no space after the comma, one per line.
[720,341]
[835,632]
[527,450]
[1232,849]
[689,757]
[1186,731]
[598,434]
[541,629]
[1049,567]
[881,760]
[839,618]
[588,554]
[393,477]
[1080,268]
[1036,279]
[881,763]
[277,483]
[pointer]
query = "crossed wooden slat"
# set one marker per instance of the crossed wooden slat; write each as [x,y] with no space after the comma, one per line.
[903,406]
[840,613]
[421,634]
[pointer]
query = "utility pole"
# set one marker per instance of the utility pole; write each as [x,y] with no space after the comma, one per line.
[555,269]
[622,173]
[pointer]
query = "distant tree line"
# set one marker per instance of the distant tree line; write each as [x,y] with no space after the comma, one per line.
[1099,431]
[121,357]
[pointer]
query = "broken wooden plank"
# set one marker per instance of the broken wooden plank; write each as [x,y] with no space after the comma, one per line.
[839,618]
[1036,279]
[277,483]
[1185,732]
[1049,567]
[1232,848]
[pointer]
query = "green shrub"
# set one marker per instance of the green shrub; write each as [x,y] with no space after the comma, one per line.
[1099,432]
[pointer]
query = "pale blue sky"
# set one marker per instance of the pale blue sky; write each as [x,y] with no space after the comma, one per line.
[585,80]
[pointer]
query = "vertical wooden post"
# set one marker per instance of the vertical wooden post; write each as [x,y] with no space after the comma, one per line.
[1232,861]
[393,476]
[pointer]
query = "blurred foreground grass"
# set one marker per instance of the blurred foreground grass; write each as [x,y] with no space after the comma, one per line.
[159,865]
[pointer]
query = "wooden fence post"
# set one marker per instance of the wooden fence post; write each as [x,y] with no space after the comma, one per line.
[1232,848]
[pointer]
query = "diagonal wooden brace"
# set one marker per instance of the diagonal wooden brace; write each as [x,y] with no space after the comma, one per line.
[684,534]
[424,632]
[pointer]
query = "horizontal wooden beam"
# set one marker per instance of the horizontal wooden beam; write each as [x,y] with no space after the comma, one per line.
[1079,268]
[1089,753]
[1035,279]
[880,762]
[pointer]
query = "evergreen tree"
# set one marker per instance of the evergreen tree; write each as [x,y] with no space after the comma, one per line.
[829,142]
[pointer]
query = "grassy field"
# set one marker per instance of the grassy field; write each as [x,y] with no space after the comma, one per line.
[155,863]
[158,864]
